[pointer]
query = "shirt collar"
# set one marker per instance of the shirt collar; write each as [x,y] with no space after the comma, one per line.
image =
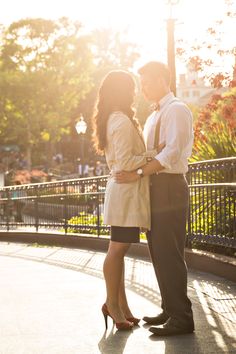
[166,99]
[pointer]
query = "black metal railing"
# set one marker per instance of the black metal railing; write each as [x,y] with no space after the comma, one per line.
[212,215]
[68,206]
[76,206]
[212,171]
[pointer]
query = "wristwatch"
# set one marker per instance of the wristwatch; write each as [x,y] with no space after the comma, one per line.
[140,172]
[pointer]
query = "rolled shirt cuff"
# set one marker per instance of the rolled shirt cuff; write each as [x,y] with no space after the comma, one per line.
[163,161]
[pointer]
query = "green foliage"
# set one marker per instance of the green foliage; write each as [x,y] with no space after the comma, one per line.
[213,212]
[195,111]
[111,51]
[87,224]
[215,128]
[83,220]
[46,71]
[49,73]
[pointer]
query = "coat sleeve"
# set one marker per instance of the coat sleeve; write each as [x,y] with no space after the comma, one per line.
[123,140]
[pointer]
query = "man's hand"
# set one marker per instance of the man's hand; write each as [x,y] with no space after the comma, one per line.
[132,176]
[125,176]
[161,147]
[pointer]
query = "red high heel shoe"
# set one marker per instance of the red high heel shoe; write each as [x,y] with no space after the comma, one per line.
[134,320]
[123,326]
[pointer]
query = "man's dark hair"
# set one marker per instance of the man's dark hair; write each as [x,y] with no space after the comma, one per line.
[156,69]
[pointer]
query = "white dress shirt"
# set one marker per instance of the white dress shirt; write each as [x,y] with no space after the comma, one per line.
[176,131]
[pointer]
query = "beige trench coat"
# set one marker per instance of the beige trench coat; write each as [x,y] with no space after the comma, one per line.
[126,204]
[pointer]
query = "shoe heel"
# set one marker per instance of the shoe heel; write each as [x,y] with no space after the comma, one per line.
[119,325]
[105,319]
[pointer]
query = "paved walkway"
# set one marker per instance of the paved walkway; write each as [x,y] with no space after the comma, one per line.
[50,301]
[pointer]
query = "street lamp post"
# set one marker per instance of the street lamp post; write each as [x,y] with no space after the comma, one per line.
[171,45]
[81,128]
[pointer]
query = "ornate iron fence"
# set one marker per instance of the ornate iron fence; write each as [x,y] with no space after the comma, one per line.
[76,206]
[212,215]
[212,171]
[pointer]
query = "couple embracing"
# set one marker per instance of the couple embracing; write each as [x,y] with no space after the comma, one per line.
[147,189]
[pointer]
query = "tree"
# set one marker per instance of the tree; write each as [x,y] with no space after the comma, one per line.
[111,51]
[45,72]
[205,56]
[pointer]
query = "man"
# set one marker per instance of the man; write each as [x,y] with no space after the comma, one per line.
[169,126]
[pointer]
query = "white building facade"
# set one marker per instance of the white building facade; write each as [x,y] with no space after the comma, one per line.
[191,88]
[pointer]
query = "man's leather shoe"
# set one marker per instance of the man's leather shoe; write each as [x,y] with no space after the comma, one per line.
[172,328]
[157,320]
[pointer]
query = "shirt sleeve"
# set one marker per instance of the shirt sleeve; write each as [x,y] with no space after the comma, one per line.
[178,125]
[123,140]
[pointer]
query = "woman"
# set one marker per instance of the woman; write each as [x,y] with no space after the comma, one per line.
[127,206]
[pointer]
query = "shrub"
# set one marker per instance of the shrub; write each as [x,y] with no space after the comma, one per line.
[215,128]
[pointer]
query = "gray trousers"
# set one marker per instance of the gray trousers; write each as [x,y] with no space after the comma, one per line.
[166,240]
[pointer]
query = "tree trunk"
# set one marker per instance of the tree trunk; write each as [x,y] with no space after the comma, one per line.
[28,157]
[50,153]
[29,148]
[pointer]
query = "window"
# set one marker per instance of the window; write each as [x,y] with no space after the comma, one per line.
[196,93]
[186,94]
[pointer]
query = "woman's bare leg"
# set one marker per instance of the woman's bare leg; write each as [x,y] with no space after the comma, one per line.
[113,270]
[122,296]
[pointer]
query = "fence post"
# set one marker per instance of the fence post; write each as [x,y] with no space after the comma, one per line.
[65,207]
[232,173]
[8,209]
[188,242]
[98,209]
[37,211]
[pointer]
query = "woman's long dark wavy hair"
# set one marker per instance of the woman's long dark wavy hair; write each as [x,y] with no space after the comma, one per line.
[116,93]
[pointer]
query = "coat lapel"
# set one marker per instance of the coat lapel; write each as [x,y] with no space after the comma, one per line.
[140,134]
